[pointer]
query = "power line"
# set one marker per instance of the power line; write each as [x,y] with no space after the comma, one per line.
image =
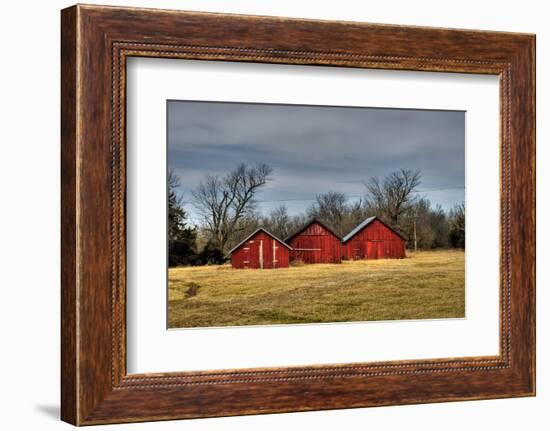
[441,188]
[355,195]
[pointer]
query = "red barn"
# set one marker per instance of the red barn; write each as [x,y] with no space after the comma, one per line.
[373,239]
[315,243]
[260,250]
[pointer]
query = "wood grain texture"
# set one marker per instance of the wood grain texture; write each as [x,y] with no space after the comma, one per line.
[69,365]
[375,241]
[260,250]
[315,243]
[96,41]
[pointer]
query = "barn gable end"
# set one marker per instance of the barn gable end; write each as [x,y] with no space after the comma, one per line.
[260,250]
[315,242]
[373,239]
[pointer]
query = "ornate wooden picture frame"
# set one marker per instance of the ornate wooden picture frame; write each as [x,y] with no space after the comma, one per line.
[96,41]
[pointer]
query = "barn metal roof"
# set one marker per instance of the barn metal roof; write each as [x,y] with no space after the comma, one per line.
[357,228]
[254,233]
[309,223]
[365,223]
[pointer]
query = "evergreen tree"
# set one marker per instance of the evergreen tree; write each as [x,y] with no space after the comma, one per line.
[181,236]
[457,222]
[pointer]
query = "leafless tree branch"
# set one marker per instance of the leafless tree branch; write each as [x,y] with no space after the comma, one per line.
[224,201]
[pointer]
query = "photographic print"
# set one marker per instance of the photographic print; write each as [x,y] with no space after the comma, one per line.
[293,214]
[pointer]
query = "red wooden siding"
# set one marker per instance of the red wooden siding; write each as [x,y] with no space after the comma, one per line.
[260,250]
[315,244]
[374,241]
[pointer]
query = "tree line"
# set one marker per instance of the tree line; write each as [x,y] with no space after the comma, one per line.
[228,211]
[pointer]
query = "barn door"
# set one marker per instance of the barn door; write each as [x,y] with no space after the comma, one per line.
[372,250]
[357,250]
[382,250]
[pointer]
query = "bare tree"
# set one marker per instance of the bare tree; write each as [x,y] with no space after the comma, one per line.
[457,226]
[425,225]
[296,222]
[278,222]
[394,195]
[331,208]
[358,211]
[223,202]
[337,211]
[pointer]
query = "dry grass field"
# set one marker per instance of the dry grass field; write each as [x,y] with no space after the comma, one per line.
[428,284]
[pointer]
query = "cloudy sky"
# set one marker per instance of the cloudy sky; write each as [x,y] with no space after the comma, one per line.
[314,149]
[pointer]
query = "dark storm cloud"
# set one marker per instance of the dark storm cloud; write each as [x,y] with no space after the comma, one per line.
[316,149]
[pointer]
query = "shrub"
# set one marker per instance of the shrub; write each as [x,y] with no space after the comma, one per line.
[192,289]
[211,255]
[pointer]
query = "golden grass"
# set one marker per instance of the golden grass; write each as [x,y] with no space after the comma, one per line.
[428,284]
